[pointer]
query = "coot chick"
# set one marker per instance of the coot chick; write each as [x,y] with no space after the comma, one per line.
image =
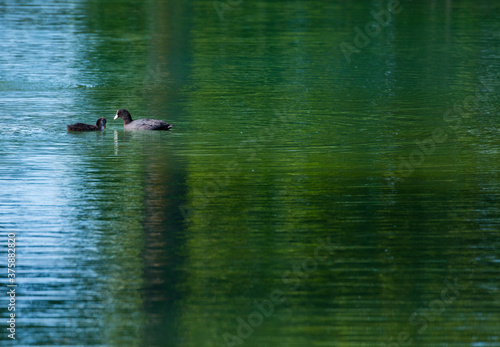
[99,125]
[141,124]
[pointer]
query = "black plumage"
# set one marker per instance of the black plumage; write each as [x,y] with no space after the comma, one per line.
[99,125]
[141,124]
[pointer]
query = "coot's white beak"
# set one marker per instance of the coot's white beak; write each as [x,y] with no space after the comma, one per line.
[116,116]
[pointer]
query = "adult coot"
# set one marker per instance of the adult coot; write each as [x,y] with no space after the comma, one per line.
[99,125]
[141,124]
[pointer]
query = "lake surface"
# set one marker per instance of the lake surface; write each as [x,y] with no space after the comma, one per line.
[332,177]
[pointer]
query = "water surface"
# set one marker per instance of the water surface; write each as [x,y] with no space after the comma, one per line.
[305,196]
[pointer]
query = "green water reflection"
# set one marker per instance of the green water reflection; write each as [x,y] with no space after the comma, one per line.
[305,196]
